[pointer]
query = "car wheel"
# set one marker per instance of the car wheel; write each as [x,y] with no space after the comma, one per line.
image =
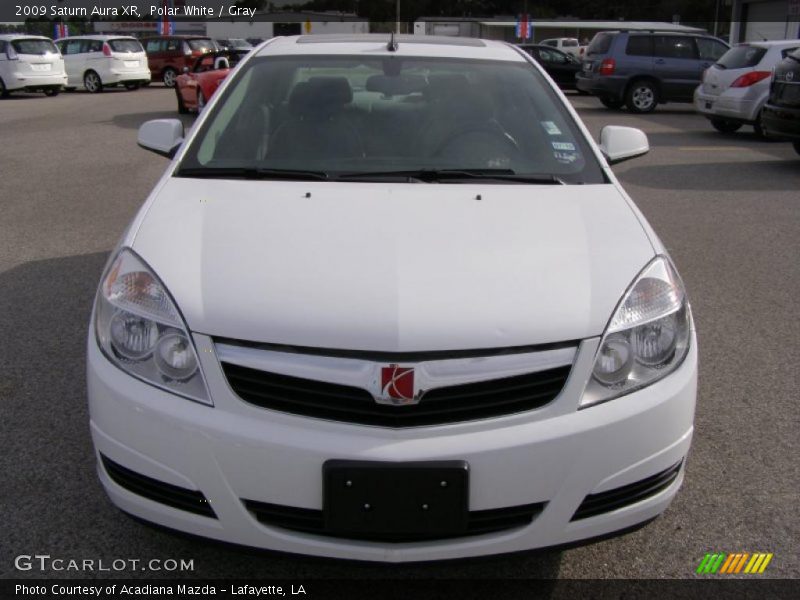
[796,147]
[201,101]
[612,103]
[641,97]
[169,77]
[92,83]
[181,105]
[131,87]
[725,126]
[51,92]
[3,90]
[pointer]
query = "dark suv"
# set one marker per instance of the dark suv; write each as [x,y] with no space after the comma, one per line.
[641,69]
[781,115]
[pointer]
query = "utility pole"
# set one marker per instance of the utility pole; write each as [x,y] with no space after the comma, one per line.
[397,24]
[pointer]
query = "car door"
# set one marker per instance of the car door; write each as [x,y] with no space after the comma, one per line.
[94,59]
[557,65]
[155,55]
[73,61]
[677,65]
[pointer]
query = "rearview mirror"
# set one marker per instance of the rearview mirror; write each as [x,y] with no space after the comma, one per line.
[162,136]
[622,143]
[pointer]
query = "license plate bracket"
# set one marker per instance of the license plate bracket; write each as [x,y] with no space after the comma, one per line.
[396,499]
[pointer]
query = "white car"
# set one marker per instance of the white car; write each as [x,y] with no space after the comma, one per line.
[30,63]
[736,87]
[569,45]
[97,61]
[390,303]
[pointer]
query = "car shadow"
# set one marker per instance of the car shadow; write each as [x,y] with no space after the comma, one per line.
[51,498]
[135,120]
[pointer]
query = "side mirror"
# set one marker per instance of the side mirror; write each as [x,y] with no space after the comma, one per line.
[622,143]
[162,136]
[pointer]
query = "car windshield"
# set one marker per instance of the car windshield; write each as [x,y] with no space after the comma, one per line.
[375,118]
[741,57]
[201,44]
[34,46]
[244,44]
[123,45]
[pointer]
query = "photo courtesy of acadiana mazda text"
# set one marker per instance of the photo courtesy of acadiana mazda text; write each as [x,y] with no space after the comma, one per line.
[389,303]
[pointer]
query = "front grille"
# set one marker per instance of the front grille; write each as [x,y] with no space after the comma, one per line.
[308,520]
[785,94]
[596,504]
[158,491]
[452,404]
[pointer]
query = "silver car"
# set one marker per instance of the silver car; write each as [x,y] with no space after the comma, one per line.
[736,87]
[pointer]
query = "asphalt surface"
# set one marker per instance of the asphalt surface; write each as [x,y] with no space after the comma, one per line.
[727,207]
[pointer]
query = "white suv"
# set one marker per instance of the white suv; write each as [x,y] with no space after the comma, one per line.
[98,61]
[30,63]
[568,45]
[736,87]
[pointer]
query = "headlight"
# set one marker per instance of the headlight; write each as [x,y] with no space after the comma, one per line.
[140,330]
[646,339]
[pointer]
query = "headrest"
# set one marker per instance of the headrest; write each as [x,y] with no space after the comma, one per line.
[320,96]
[396,86]
[221,62]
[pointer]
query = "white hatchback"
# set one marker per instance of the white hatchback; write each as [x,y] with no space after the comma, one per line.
[97,61]
[390,303]
[30,63]
[736,87]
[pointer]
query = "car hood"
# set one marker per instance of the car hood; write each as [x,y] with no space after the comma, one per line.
[393,267]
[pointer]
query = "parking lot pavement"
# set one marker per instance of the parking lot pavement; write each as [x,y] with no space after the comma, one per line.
[727,207]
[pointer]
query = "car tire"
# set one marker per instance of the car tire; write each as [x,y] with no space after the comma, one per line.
[725,126]
[611,103]
[641,97]
[3,90]
[131,87]
[182,110]
[169,76]
[51,92]
[201,101]
[796,147]
[92,82]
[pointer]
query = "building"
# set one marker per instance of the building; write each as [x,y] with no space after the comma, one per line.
[267,25]
[753,20]
[504,28]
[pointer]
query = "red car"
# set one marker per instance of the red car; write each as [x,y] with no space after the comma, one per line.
[169,55]
[196,85]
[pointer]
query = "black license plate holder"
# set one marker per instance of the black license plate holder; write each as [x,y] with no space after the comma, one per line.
[413,499]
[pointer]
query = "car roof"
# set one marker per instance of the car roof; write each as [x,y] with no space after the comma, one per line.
[102,38]
[407,45]
[16,36]
[771,43]
[177,37]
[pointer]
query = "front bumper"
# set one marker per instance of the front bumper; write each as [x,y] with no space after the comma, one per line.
[781,123]
[30,81]
[555,455]
[733,105]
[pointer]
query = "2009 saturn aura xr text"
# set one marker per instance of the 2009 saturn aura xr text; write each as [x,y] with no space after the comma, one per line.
[390,303]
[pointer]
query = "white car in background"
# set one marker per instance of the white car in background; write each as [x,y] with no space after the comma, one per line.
[30,63]
[389,302]
[569,45]
[736,87]
[97,61]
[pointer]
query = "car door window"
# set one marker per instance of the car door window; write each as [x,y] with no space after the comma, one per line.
[155,46]
[73,47]
[710,49]
[639,45]
[94,46]
[173,45]
[675,46]
[553,57]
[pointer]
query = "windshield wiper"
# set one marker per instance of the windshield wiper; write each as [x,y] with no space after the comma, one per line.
[452,175]
[251,173]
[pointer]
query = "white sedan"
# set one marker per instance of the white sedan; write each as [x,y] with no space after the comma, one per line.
[390,303]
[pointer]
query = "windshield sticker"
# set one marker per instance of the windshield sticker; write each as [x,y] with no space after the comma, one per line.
[566,158]
[563,146]
[551,128]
